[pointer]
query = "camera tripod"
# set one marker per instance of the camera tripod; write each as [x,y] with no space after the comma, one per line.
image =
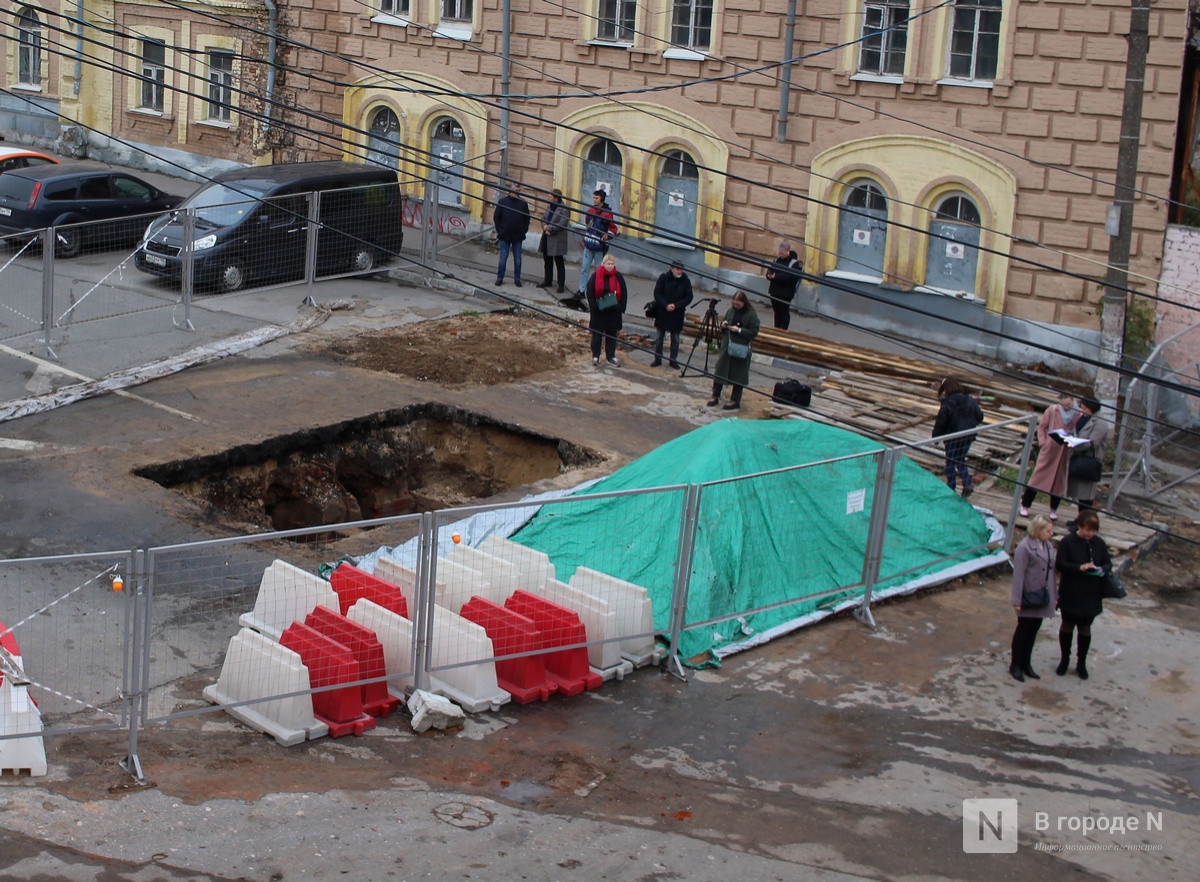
[707,332]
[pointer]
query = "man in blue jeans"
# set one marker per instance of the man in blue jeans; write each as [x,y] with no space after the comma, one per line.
[511,220]
[598,230]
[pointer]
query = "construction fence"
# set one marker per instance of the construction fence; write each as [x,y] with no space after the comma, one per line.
[325,630]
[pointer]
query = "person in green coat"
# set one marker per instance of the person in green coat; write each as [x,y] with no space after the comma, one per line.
[740,327]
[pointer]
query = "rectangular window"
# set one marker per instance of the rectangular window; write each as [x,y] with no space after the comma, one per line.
[975,40]
[29,49]
[884,37]
[691,24]
[220,85]
[398,8]
[457,10]
[154,74]
[617,20]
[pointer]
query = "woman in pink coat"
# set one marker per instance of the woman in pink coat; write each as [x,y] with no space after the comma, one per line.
[1050,474]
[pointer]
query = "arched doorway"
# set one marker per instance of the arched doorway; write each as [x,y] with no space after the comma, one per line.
[448,144]
[383,139]
[952,259]
[862,232]
[602,169]
[676,198]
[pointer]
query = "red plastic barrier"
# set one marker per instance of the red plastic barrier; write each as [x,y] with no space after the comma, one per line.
[367,651]
[8,640]
[328,663]
[353,585]
[511,632]
[558,626]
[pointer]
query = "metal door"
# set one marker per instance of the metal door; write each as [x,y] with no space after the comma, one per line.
[862,232]
[952,260]
[449,145]
[677,197]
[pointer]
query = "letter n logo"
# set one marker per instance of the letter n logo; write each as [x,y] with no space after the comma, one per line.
[989,826]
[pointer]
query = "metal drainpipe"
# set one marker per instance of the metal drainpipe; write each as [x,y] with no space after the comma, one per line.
[79,47]
[272,43]
[505,71]
[785,88]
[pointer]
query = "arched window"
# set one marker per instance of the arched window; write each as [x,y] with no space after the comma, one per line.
[383,139]
[952,257]
[602,171]
[449,145]
[29,48]
[677,197]
[862,232]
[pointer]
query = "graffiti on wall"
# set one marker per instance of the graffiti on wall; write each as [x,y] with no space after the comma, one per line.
[414,216]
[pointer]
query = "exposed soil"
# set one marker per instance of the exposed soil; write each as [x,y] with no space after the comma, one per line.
[481,349]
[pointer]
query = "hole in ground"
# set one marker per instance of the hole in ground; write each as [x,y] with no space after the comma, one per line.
[418,458]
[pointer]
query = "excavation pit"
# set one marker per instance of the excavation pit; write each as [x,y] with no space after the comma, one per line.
[413,459]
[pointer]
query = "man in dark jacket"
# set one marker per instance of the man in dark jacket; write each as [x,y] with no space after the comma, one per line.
[598,230]
[783,278]
[672,294]
[511,219]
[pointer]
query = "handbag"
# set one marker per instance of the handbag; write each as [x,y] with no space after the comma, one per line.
[593,243]
[738,350]
[1111,588]
[1085,467]
[608,301]
[1035,599]
[652,309]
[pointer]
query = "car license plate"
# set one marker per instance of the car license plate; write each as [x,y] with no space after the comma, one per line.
[155,260]
[5,212]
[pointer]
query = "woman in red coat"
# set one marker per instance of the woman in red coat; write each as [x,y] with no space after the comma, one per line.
[1050,474]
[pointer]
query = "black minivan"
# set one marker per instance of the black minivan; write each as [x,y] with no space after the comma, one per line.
[252,225]
[85,203]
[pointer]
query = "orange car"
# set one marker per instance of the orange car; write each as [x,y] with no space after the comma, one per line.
[22,157]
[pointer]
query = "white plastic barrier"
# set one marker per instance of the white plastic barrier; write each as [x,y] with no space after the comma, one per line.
[599,620]
[461,584]
[395,634]
[287,594]
[406,580]
[534,566]
[256,667]
[456,640]
[503,577]
[19,715]
[633,608]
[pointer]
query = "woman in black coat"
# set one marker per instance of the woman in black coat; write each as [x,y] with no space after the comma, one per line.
[672,294]
[1083,561]
[605,322]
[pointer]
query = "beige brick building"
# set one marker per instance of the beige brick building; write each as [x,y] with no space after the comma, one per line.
[944,169]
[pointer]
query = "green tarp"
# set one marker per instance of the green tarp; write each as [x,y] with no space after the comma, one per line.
[762,539]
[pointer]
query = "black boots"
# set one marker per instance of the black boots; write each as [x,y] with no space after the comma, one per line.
[1027,670]
[1064,644]
[1085,643]
[1015,672]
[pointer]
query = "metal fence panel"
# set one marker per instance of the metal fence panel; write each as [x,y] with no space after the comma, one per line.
[736,586]
[201,596]
[74,635]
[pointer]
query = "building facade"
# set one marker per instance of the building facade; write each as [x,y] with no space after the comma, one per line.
[945,169]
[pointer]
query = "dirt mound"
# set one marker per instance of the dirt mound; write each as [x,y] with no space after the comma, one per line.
[469,349]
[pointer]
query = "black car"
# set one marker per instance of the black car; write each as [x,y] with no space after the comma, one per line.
[72,197]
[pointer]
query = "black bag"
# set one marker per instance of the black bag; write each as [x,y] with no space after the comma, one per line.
[1035,599]
[792,392]
[652,309]
[1085,467]
[1111,588]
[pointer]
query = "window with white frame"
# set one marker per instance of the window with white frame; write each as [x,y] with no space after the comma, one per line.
[884,37]
[975,40]
[691,24]
[29,48]
[220,85]
[458,10]
[154,75]
[616,20]
[395,8]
